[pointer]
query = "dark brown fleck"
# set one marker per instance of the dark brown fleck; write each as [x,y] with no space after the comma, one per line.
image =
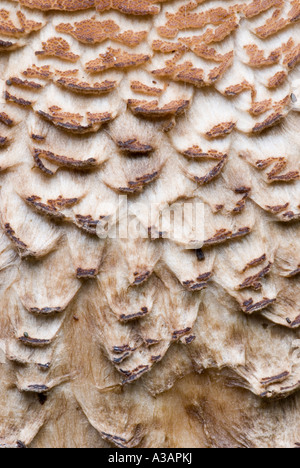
[200,255]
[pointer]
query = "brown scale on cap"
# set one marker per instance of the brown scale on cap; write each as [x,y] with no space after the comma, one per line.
[256,262]
[66,79]
[15,81]
[46,311]
[275,174]
[34,342]
[277,209]
[116,58]
[279,109]
[293,273]
[43,72]
[240,205]
[222,31]
[196,152]
[200,283]
[39,164]
[131,7]
[61,202]
[6,119]
[59,48]
[221,130]
[177,334]
[64,5]
[58,117]
[122,349]
[134,147]
[216,73]
[183,19]
[224,235]
[289,51]
[116,440]
[138,185]
[98,117]
[141,277]
[257,57]
[270,121]
[211,175]
[86,273]
[75,85]
[8,46]
[243,190]
[209,53]
[39,389]
[261,107]
[250,306]
[276,23]
[142,88]
[86,223]
[267,381]
[291,54]
[129,317]
[273,25]
[63,161]
[36,137]
[17,100]
[94,32]
[254,281]
[187,72]
[145,298]
[21,246]
[4,141]
[237,89]
[152,109]
[277,80]
[44,208]
[259,6]
[166,47]
[73,122]
[294,14]
[8,28]
[210,36]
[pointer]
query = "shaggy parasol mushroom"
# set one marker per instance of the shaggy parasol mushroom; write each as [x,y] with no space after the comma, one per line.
[153,340]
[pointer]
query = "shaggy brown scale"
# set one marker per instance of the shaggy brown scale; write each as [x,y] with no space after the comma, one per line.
[150,340]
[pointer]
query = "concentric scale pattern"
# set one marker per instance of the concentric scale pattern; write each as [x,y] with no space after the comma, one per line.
[149,342]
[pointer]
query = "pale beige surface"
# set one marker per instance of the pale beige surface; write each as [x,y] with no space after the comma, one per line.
[139,343]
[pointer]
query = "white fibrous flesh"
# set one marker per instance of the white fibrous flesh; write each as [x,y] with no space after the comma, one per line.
[149,341]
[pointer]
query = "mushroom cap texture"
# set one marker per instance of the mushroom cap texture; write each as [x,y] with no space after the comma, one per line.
[153,340]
